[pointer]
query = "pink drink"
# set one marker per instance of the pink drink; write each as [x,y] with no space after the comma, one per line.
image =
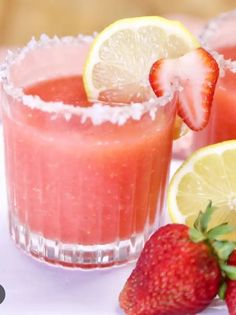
[222,124]
[219,38]
[86,183]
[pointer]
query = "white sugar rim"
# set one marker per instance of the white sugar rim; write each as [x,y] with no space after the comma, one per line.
[98,112]
[209,30]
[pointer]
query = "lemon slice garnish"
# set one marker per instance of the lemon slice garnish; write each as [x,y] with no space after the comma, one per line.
[120,58]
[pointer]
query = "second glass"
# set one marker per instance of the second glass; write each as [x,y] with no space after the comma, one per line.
[219,38]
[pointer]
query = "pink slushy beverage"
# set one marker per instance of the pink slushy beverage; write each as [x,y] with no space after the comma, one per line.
[86,181]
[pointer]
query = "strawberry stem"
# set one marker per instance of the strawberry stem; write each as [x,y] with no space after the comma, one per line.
[197,236]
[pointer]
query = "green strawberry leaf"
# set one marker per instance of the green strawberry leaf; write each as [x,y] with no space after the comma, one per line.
[223,249]
[196,236]
[230,271]
[206,217]
[197,223]
[222,291]
[219,231]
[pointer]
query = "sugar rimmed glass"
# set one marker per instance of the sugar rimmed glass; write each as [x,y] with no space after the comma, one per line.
[86,185]
[219,39]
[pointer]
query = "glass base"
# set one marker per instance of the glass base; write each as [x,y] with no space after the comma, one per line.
[75,255]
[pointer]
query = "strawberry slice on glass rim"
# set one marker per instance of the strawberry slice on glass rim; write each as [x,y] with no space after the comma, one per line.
[193,76]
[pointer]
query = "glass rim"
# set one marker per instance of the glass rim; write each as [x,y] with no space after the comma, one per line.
[98,112]
[208,31]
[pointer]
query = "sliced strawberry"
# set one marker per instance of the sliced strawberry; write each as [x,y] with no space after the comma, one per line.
[194,75]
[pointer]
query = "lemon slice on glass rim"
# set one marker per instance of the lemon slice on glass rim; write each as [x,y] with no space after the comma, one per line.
[123,53]
[209,174]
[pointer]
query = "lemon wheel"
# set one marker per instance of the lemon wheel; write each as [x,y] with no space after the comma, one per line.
[209,174]
[123,53]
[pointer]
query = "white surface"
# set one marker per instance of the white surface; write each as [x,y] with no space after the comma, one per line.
[34,288]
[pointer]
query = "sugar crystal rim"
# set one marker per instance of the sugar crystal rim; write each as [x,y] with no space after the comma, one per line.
[208,31]
[98,112]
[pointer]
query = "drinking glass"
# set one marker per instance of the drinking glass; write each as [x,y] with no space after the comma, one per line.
[219,39]
[86,183]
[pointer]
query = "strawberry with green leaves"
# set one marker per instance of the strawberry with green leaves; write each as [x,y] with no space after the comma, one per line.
[180,270]
[228,290]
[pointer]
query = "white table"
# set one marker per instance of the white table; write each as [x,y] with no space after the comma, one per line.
[34,288]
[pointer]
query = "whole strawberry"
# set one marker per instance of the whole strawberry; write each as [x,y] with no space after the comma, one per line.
[230,295]
[178,271]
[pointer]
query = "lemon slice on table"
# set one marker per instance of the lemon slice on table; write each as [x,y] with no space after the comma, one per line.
[123,53]
[209,174]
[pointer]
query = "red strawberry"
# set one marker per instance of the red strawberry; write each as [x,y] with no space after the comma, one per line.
[178,272]
[230,296]
[196,74]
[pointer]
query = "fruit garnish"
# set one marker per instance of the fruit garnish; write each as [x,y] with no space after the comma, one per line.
[121,55]
[196,74]
[118,65]
[208,174]
[180,269]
